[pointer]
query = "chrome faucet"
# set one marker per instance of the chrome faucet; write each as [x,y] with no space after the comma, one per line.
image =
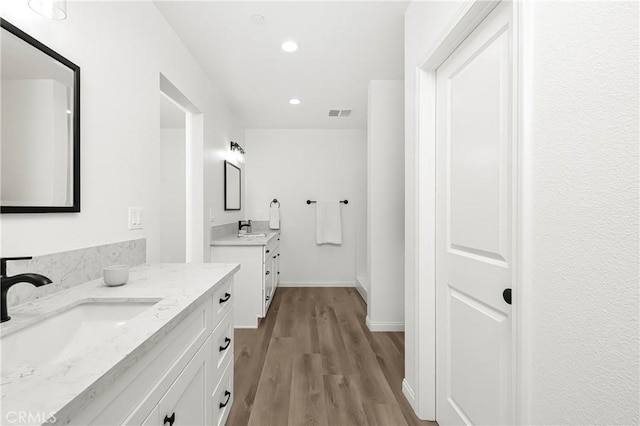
[243,224]
[7,282]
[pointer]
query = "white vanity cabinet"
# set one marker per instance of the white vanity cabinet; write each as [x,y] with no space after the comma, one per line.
[258,278]
[185,379]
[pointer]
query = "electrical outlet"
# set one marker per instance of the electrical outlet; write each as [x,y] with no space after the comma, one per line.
[135,218]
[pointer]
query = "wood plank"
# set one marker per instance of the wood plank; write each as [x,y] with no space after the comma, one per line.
[271,405]
[334,355]
[307,405]
[344,401]
[286,314]
[250,349]
[306,325]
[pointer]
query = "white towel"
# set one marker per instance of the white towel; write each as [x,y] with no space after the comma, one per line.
[328,225]
[274,217]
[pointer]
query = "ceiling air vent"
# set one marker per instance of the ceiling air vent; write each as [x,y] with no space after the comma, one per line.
[339,112]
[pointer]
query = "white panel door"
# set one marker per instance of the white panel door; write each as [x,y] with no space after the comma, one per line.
[474,221]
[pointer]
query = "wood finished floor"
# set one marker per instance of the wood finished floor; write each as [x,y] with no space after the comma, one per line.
[313,361]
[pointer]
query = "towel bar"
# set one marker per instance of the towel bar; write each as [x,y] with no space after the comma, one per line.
[342,201]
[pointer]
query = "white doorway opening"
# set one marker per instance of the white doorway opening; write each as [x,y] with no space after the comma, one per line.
[173,186]
[182,177]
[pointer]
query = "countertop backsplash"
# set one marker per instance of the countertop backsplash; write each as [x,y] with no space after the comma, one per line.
[71,268]
[261,226]
[219,231]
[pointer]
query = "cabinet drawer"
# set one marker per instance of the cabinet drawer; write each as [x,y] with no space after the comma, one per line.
[271,247]
[222,301]
[222,398]
[222,350]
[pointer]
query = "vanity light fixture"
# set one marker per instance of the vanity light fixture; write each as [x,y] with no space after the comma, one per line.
[289,46]
[236,148]
[237,152]
[51,9]
[294,101]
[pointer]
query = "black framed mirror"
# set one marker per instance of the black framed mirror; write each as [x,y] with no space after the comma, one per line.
[40,137]
[232,186]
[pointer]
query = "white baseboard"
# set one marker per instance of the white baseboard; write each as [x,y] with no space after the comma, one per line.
[362,285]
[316,284]
[384,326]
[409,394]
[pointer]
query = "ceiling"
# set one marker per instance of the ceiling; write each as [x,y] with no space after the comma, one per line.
[342,46]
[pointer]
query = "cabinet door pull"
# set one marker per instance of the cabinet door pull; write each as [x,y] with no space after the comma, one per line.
[268,251]
[268,272]
[227,296]
[274,256]
[228,395]
[227,342]
[170,420]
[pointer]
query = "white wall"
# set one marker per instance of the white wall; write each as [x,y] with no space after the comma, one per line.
[385,206]
[173,196]
[580,263]
[583,287]
[296,165]
[121,48]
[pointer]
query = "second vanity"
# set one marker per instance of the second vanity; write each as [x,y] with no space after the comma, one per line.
[156,351]
[258,279]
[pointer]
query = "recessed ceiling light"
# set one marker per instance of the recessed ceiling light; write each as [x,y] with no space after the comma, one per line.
[294,101]
[289,46]
[257,19]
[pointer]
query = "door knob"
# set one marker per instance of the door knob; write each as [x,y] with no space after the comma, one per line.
[506,295]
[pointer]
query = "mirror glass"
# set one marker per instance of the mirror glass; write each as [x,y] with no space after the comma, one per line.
[40,151]
[231,186]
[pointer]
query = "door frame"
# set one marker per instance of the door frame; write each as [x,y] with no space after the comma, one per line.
[470,14]
[194,154]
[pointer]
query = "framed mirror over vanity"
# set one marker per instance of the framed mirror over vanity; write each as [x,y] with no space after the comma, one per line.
[40,131]
[232,186]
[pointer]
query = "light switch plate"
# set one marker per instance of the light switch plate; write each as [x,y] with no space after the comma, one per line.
[135,218]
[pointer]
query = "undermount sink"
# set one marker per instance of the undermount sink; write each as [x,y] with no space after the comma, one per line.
[69,332]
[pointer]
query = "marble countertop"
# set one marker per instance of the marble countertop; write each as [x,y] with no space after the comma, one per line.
[235,240]
[66,388]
